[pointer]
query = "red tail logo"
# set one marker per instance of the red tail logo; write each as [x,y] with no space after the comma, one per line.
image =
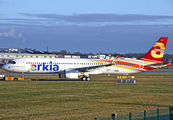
[157,51]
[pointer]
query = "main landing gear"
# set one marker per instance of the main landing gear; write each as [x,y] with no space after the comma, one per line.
[85,78]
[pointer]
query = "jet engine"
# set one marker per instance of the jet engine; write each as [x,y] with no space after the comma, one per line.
[74,74]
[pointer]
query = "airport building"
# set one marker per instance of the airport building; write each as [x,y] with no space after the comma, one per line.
[88,56]
[7,54]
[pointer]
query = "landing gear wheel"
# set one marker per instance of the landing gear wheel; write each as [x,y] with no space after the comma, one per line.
[15,79]
[83,78]
[88,78]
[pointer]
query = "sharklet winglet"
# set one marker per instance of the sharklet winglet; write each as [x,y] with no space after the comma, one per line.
[115,60]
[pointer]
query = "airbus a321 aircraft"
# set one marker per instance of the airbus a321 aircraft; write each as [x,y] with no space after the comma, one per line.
[82,68]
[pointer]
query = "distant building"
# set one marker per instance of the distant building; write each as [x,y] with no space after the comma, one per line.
[66,56]
[71,56]
[83,56]
[8,54]
[107,57]
[75,56]
[58,56]
[89,56]
[170,62]
[101,56]
[112,57]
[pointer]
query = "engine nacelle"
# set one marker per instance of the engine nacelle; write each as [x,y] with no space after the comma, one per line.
[74,74]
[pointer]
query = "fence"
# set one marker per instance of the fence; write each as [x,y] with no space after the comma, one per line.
[159,114]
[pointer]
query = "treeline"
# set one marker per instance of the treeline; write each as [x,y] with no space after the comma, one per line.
[166,57]
[127,55]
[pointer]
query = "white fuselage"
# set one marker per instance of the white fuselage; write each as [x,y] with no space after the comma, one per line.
[46,65]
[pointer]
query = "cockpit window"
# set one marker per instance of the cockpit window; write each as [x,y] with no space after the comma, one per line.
[12,62]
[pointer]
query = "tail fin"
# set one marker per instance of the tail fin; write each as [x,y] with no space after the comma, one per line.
[157,51]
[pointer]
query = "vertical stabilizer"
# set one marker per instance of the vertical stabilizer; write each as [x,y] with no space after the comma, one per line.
[157,51]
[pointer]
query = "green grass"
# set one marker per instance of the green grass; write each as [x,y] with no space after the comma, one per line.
[68,99]
[162,70]
[1,70]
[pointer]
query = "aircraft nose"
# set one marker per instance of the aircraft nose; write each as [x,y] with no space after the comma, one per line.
[5,67]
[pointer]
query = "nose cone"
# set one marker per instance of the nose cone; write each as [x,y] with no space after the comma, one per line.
[5,67]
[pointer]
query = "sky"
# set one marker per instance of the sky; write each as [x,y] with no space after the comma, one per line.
[86,26]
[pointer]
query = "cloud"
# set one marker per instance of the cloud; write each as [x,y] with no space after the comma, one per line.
[11,33]
[86,39]
[99,20]
[104,33]
[111,18]
[24,40]
[20,34]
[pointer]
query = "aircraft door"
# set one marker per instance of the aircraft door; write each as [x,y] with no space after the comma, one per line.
[141,65]
[22,63]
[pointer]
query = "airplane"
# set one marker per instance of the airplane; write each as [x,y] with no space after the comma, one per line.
[83,68]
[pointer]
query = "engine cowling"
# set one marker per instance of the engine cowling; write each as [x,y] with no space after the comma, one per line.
[74,74]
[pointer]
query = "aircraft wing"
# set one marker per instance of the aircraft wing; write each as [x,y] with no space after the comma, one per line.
[85,69]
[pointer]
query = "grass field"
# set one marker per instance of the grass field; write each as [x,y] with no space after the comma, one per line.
[1,70]
[72,99]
